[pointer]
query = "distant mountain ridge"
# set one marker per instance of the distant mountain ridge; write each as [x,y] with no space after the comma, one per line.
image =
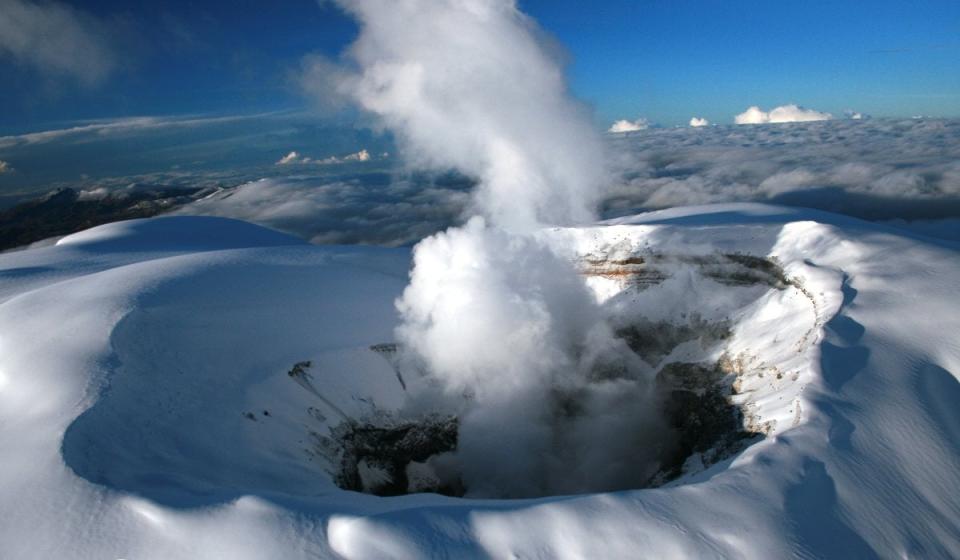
[64,211]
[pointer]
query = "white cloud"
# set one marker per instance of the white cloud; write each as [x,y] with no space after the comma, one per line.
[361,156]
[787,181]
[753,115]
[878,169]
[292,157]
[624,125]
[98,193]
[698,121]
[872,168]
[357,157]
[342,212]
[56,39]
[782,114]
[4,167]
[117,127]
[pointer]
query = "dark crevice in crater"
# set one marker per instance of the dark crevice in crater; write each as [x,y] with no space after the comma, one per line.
[387,455]
[389,458]
[708,427]
[653,341]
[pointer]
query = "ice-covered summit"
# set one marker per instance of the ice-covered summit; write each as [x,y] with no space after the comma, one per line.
[151,404]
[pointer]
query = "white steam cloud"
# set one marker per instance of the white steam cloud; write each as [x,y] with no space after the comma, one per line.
[629,126]
[782,114]
[502,319]
[466,84]
[498,318]
[699,121]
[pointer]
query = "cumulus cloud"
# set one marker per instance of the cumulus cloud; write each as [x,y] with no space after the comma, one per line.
[356,157]
[56,39]
[362,155]
[698,121]
[782,114]
[624,125]
[98,193]
[292,157]
[4,167]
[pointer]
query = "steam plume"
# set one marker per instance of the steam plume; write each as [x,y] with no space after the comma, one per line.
[493,312]
[467,84]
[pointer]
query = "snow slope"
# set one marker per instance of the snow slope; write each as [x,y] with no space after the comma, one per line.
[146,410]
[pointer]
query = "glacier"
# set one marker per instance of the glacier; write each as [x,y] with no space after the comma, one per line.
[147,408]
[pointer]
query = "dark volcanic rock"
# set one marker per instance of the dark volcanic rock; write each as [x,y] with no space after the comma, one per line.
[697,407]
[391,449]
[63,211]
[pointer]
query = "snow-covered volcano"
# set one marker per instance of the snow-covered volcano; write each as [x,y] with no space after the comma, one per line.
[173,388]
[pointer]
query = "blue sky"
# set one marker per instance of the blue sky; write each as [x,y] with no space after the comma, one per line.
[670,60]
[663,60]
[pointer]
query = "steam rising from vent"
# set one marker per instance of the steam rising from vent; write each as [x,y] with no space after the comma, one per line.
[499,320]
[469,84]
[516,307]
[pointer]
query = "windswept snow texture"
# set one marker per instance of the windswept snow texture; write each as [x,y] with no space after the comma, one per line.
[146,409]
